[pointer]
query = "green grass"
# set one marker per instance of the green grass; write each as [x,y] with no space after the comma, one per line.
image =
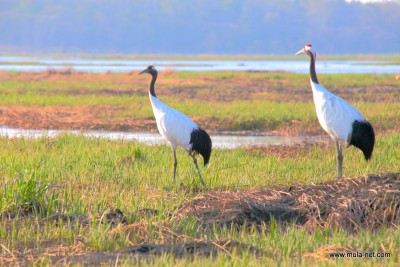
[76,175]
[87,176]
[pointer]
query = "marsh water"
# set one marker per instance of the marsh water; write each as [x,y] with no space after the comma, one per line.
[228,140]
[42,63]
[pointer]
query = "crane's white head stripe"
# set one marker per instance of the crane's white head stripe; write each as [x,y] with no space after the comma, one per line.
[151,67]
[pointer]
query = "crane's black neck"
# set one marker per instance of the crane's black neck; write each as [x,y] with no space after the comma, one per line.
[152,83]
[313,74]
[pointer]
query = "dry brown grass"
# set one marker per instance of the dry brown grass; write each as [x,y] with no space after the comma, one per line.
[351,204]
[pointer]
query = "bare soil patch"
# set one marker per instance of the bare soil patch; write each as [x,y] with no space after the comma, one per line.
[283,151]
[143,251]
[71,118]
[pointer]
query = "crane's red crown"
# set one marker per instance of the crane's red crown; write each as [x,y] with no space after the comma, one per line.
[150,66]
[307,47]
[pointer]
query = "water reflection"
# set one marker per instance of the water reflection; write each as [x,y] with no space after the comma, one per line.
[230,141]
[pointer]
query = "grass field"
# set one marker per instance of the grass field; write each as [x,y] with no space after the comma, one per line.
[217,101]
[59,196]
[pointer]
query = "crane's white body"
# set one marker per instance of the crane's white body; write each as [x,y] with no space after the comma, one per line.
[335,115]
[173,125]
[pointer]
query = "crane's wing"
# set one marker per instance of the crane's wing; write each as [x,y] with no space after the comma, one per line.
[173,125]
[336,116]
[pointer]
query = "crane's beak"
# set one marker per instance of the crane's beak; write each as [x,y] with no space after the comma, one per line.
[143,71]
[301,51]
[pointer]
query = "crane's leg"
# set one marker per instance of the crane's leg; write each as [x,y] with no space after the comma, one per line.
[340,159]
[175,164]
[197,167]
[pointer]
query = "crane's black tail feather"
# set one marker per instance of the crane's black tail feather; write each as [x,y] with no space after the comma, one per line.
[201,143]
[363,137]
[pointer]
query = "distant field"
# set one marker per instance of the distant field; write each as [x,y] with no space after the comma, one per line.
[260,101]
[388,57]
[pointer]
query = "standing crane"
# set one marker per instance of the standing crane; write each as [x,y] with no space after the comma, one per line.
[177,129]
[339,119]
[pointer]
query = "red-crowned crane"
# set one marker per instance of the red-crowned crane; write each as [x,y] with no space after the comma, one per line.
[177,129]
[338,118]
